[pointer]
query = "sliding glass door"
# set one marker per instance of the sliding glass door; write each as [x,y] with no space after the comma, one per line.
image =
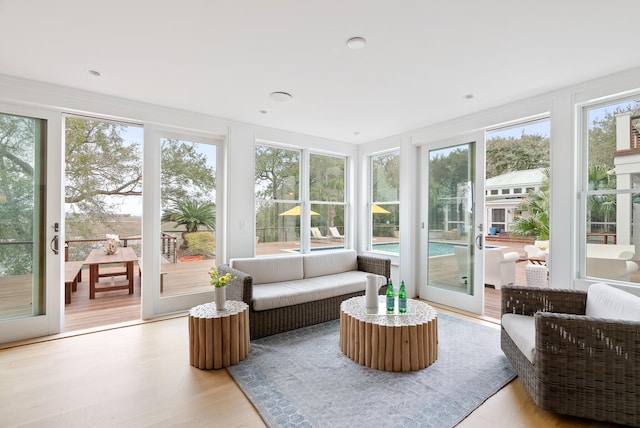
[29,231]
[453,239]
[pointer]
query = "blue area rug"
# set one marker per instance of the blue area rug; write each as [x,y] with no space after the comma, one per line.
[301,378]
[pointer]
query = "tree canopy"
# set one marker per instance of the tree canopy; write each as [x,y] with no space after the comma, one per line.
[503,155]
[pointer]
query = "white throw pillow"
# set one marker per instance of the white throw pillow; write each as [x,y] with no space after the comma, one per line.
[604,301]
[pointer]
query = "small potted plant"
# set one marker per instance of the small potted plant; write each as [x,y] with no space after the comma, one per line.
[219,283]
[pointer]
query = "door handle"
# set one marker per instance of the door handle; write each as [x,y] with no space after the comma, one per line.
[54,244]
[479,243]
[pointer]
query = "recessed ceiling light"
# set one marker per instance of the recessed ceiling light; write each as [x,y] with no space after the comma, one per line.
[280,96]
[263,111]
[95,73]
[468,96]
[356,42]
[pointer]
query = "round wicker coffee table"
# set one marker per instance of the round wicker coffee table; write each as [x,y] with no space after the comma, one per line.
[218,338]
[390,342]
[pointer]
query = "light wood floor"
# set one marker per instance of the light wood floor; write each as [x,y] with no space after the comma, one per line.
[140,376]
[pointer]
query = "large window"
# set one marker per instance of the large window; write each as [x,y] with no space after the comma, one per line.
[611,190]
[300,204]
[385,202]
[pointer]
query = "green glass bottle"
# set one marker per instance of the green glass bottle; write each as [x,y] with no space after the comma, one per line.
[391,297]
[402,299]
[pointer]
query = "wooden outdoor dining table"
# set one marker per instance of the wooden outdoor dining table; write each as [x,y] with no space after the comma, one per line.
[97,257]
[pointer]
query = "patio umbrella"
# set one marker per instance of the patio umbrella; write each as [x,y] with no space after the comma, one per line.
[376,209]
[296,211]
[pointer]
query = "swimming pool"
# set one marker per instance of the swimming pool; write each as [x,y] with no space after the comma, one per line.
[435,248]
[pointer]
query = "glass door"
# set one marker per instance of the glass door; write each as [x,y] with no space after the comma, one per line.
[30,305]
[452,239]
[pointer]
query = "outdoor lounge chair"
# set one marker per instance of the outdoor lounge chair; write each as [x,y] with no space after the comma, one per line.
[335,233]
[316,235]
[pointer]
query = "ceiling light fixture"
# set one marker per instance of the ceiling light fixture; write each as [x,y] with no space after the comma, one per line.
[356,42]
[95,73]
[280,96]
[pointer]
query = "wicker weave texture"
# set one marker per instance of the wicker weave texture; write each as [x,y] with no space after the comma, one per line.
[584,366]
[278,320]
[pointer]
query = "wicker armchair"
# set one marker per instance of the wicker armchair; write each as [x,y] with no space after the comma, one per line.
[582,366]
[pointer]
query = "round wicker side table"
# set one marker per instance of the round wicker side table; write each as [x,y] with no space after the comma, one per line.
[218,338]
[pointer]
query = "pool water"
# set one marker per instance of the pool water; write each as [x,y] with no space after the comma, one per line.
[435,248]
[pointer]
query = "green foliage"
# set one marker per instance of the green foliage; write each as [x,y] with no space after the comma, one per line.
[386,177]
[449,172]
[277,173]
[505,155]
[201,244]
[18,152]
[99,163]
[536,204]
[185,174]
[192,215]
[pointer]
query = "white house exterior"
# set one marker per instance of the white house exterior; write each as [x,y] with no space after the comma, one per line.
[504,194]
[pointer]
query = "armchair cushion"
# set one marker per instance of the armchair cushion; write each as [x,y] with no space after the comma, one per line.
[605,301]
[522,330]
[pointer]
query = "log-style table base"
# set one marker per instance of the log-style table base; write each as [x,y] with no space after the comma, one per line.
[389,342]
[218,338]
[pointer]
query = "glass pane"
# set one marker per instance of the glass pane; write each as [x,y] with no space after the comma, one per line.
[612,228]
[327,226]
[277,227]
[385,177]
[277,173]
[188,184]
[326,184]
[326,178]
[451,218]
[385,207]
[612,180]
[385,230]
[22,214]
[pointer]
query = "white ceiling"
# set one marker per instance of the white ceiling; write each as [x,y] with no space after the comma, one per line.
[224,57]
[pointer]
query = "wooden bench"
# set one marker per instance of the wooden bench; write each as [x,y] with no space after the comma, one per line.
[72,275]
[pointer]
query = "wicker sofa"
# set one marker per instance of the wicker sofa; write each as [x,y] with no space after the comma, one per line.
[293,291]
[576,352]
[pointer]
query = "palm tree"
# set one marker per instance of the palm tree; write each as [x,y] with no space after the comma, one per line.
[192,215]
[537,204]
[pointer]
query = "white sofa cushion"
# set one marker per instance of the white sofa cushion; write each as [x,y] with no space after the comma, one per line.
[277,295]
[522,330]
[322,263]
[605,301]
[265,270]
